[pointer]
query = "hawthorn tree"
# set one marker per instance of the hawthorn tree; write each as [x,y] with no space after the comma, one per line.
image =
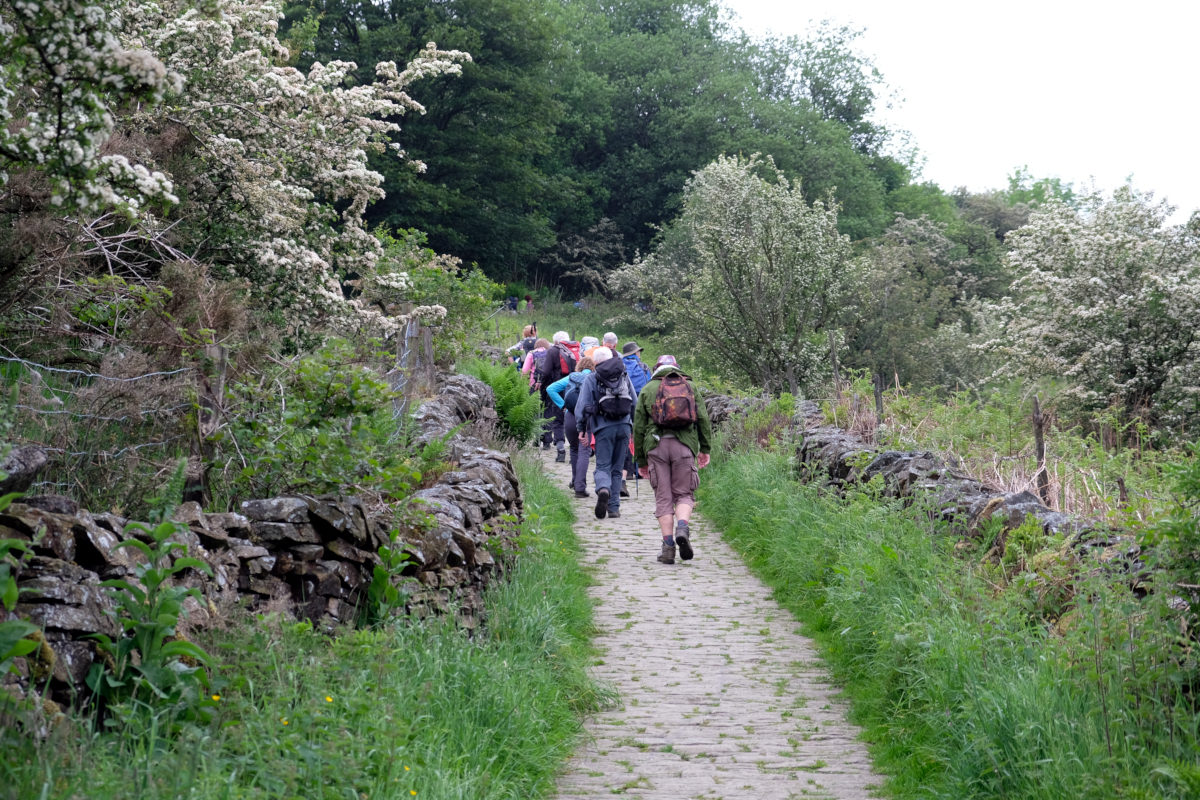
[1106,298]
[752,274]
[259,170]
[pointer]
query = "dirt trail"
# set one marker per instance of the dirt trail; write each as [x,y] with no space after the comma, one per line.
[719,695]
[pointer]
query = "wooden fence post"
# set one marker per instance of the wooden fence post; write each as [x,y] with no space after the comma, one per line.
[1039,443]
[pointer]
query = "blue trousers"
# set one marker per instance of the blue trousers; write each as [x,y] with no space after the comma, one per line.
[611,445]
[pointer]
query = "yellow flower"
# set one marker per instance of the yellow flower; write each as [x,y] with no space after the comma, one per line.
[284,721]
[328,699]
[412,791]
[407,768]
[216,697]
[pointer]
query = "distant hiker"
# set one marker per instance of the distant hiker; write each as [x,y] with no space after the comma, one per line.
[639,376]
[558,362]
[565,394]
[528,303]
[637,371]
[605,406]
[526,344]
[671,441]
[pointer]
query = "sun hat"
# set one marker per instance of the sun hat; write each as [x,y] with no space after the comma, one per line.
[630,347]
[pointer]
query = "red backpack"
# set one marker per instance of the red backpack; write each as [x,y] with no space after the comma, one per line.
[675,403]
[574,348]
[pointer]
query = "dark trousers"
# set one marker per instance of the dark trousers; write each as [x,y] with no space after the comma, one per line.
[581,453]
[554,417]
[611,444]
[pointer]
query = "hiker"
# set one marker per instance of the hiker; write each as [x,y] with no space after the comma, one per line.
[565,394]
[528,304]
[526,344]
[635,368]
[587,344]
[639,376]
[671,441]
[558,362]
[605,406]
[609,341]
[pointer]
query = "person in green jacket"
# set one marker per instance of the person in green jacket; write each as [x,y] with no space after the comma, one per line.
[672,439]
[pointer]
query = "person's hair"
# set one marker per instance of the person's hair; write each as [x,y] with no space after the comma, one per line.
[528,297]
[528,330]
[610,339]
[585,363]
[540,343]
[601,354]
[561,336]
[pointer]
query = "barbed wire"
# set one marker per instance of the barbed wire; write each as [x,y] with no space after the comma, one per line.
[81,415]
[60,370]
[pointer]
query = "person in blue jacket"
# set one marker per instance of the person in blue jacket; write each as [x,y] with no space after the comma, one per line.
[635,368]
[564,393]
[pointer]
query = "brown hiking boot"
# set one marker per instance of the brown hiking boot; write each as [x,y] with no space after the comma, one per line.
[684,541]
[667,556]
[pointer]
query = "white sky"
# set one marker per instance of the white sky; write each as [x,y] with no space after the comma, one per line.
[1089,92]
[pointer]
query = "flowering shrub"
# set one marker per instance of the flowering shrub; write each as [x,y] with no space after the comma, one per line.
[1107,298]
[265,166]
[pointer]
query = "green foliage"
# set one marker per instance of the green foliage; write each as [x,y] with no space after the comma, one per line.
[318,423]
[152,668]
[964,691]
[387,592]
[519,410]
[13,632]
[1177,532]
[752,274]
[413,706]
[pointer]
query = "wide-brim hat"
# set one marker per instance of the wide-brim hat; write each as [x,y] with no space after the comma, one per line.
[630,347]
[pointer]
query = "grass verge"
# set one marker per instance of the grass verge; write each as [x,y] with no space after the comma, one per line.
[414,709]
[964,688]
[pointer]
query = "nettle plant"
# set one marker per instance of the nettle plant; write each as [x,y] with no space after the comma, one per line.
[194,107]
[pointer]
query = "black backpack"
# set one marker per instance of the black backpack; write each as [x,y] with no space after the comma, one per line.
[571,395]
[614,392]
[556,363]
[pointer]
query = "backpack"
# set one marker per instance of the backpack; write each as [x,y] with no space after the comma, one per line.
[571,395]
[614,393]
[675,403]
[555,364]
[574,348]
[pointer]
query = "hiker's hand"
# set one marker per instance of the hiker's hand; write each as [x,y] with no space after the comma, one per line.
[702,461]
[643,472]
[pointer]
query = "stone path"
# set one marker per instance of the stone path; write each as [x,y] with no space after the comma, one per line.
[719,695]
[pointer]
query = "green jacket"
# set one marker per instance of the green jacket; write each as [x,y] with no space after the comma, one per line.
[697,436]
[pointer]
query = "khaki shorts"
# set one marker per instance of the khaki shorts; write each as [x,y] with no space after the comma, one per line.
[673,475]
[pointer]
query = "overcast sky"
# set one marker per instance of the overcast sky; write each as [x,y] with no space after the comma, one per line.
[1082,91]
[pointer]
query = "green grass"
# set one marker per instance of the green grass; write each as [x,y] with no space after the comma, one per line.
[965,688]
[416,709]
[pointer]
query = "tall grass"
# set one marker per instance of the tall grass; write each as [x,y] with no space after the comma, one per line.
[416,709]
[966,688]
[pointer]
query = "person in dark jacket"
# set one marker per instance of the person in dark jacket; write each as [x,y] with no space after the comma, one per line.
[592,411]
[671,457]
[561,393]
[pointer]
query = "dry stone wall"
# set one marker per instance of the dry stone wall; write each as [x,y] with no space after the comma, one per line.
[310,557]
[841,459]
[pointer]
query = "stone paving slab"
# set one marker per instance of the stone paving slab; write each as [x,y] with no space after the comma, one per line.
[719,695]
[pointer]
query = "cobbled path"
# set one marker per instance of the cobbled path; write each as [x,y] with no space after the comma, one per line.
[719,696]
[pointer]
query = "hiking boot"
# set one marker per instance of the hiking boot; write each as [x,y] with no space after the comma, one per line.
[581,494]
[667,556]
[612,514]
[684,542]
[561,458]
[602,496]
[624,490]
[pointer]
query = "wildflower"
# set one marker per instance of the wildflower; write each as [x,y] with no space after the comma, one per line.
[216,697]
[328,699]
[284,721]
[407,768]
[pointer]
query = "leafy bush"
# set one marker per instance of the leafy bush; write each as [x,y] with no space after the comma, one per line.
[319,423]
[519,410]
[152,667]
